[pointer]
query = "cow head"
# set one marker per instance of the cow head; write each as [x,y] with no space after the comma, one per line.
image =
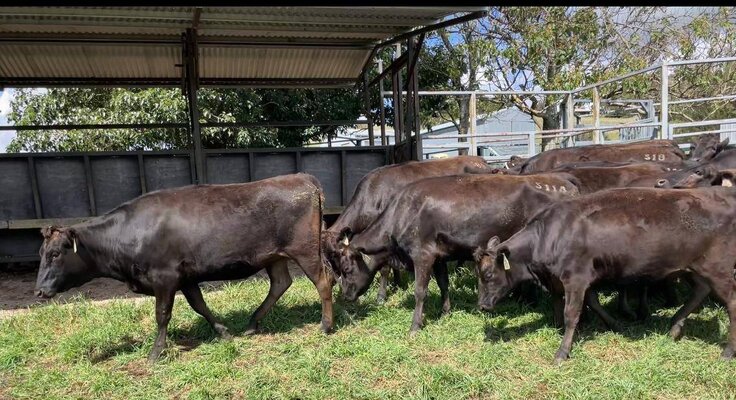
[493,268]
[726,178]
[706,147]
[62,267]
[353,268]
[700,177]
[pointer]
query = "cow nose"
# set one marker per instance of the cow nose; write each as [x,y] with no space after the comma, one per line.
[39,293]
[661,182]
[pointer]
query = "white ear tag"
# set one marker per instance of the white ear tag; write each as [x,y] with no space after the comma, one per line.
[345,241]
[727,183]
[506,263]
[366,258]
[75,245]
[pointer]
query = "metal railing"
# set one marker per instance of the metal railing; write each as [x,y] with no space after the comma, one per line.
[655,126]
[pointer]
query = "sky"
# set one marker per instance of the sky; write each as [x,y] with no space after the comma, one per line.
[5,136]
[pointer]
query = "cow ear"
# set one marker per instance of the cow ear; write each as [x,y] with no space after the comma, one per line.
[71,235]
[492,243]
[723,144]
[727,179]
[346,234]
[47,231]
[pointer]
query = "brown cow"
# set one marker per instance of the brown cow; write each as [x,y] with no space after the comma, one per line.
[616,236]
[376,190]
[439,218]
[661,151]
[707,146]
[172,239]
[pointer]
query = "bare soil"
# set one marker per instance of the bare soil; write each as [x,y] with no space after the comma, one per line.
[17,289]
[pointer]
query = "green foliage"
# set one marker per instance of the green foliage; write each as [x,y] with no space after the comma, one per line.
[97,350]
[100,106]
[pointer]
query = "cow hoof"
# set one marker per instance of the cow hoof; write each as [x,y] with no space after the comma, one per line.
[381,300]
[561,356]
[616,327]
[153,357]
[727,353]
[413,333]
[326,328]
[252,329]
[224,333]
[676,332]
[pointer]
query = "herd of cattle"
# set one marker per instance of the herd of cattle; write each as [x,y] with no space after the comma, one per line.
[569,220]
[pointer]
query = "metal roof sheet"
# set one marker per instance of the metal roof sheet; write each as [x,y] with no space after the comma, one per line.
[53,44]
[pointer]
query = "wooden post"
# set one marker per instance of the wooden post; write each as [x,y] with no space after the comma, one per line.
[473,150]
[192,84]
[381,107]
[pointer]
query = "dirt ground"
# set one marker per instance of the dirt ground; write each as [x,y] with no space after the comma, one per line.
[17,289]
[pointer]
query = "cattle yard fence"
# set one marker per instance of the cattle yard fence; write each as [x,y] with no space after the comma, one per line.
[653,120]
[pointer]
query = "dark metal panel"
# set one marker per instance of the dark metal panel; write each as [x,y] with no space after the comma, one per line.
[15,243]
[90,186]
[227,168]
[273,164]
[357,165]
[34,188]
[62,186]
[325,167]
[16,195]
[165,172]
[115,180]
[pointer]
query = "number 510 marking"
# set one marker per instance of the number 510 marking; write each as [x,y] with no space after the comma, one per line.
[654,157]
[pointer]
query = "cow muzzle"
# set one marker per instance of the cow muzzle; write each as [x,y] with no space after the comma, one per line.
[45,294]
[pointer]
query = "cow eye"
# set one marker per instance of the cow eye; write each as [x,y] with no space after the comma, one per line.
[699,173]
[54,255]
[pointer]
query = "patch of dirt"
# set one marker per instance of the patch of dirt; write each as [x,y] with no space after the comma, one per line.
[17,289]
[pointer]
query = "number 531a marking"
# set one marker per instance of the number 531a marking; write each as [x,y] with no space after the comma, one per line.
[550,188]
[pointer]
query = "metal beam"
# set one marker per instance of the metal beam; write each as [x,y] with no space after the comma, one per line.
[413,60]
[467,17]
[396,64]
[192,82]
[367,106]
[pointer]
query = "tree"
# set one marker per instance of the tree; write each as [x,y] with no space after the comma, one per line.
[99,106]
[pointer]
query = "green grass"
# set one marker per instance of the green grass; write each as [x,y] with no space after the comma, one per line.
[88,350]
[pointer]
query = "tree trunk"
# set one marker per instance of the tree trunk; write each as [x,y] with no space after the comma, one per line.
[550,120]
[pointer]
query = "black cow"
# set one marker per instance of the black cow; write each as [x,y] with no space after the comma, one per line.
[439,218]
[172,239]
[663,151]
[706,147]
[618,236]
[376,190]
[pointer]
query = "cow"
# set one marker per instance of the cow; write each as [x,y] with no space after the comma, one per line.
[435,219]
[594,178]
[704,177]
[706,147]
[617,236]
[376,190]
[173,239]
[660,151]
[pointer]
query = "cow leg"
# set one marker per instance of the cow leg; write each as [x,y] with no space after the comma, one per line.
[591,298]
[194,297]
[383,283]
[558,307]
[421,284]
[701,289]
[397,278]
[278,274]
[724,286]
[670,292]
[164,304]
[643,312]
[623,301]
[574,299]
[322,280]
[443,281]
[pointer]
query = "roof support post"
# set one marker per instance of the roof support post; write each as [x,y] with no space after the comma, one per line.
[191,70]
[367,106]
[412,96]
[381,106]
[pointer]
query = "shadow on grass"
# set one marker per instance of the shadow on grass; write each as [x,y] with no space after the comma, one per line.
[280,319]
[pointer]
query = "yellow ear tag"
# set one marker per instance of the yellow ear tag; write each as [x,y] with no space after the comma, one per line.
[366,258]
[506,263]
[726,183]
[75,245]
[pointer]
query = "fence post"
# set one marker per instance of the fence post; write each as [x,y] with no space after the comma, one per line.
[532,144]
[473,150]
[596,115]
[664,112]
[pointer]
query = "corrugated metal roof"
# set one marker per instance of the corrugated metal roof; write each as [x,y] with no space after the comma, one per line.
[290,43]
